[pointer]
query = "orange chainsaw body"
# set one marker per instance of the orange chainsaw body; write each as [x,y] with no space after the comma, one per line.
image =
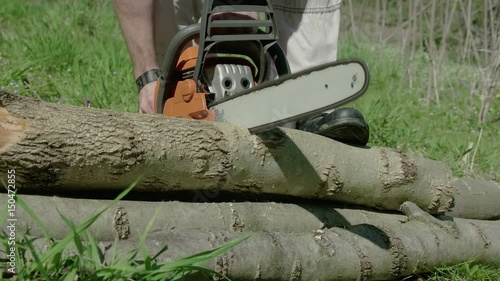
[185,101]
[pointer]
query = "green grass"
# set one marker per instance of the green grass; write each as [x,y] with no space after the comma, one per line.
[400,118]
[65,51]
[70,51]
[465,272]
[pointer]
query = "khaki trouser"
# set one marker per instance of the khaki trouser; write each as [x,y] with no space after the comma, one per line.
[308,30]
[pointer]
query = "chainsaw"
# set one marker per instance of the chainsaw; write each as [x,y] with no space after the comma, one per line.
[225,77]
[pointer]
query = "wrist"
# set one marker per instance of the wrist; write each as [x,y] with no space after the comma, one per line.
[141,67]
[149,76]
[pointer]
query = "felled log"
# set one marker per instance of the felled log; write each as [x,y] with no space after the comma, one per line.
[55,147]
[358,245]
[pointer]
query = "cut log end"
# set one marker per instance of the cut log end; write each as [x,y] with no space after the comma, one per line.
[12,129]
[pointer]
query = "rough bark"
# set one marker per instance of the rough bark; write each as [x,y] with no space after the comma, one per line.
[362,245]
[58,147]
[127,219]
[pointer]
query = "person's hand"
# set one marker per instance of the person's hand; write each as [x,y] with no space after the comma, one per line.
[147,99]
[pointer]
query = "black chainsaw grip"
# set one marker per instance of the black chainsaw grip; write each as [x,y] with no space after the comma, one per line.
[172,55]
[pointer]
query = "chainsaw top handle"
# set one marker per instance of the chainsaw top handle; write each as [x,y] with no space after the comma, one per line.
[266,39]
[209,35]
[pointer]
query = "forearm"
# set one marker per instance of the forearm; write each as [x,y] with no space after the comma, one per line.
[136,19]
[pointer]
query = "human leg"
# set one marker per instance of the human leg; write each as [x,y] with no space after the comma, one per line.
[309,32]
[170,17]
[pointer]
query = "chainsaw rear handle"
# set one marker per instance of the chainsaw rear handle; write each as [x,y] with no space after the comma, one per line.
[207,40]
[172,55]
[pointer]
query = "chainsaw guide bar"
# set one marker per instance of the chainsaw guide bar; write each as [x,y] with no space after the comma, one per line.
[295,96]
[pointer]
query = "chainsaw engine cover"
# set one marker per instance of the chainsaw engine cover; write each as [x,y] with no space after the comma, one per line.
[229,79]
[250,53]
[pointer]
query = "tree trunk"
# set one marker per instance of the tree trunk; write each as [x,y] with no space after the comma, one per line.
[288,242]
[55,148]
